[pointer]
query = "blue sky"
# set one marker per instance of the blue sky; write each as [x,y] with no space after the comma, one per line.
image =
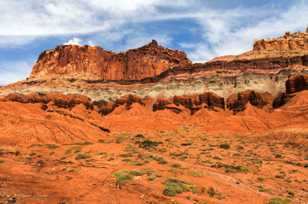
[202,28]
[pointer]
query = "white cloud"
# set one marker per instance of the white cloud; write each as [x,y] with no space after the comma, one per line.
[79,41]
[234,31]
[54,17]
[121,24]
[37,18]
[74,41]
[224,31]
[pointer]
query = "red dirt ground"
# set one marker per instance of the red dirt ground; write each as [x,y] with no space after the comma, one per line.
[63,156]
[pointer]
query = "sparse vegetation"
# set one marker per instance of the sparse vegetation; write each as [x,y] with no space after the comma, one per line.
[224,146]
[159,159]
[9,150]
[214,193]
[172,187]
[83,143]
[187,143]
[179,155]
[148,144]
[120,138]
[231,168]
[196,173]
[124,176]
[73,149]
[81,156]
[52,146]
[279,201]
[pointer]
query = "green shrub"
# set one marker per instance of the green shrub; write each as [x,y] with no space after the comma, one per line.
[148,144]
[52,146]
[172,187]
[231,168]
[214,193]
[124,176]
[159,159]
[120,138]
[278,201]
[196,173]
[224,146]
[81,156]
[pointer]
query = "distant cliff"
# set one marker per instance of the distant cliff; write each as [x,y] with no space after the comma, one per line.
[89,62]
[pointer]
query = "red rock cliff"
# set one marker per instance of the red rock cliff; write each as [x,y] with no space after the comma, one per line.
[290,41]
[88,62]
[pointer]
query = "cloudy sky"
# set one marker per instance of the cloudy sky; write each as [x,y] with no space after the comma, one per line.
[202,28]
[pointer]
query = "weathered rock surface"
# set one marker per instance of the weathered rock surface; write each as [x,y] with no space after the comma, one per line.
[237,102]
[152,63]
[91,133]
[290,41]
[162,74]
[57,99]
[280,100]
[193,103]
[95,63]
[296,83]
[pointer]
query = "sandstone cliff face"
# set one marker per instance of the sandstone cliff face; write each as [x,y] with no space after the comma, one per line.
[161,73]
[296,83]
[152,63]
[59,100]
[290,41]
[193,102]
[95,63]
[237,102]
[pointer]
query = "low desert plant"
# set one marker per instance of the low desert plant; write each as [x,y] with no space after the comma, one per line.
[52,146]
[172,187]
[231,168]
[278,201]
[159,159]
[224,146]
[81,156]
[124,176]
[214,193]
[196,173]
[148,144]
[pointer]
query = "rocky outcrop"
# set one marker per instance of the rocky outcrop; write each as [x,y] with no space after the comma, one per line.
[237,102]
[280,100]
[95,63]
[152,62]
[168,77]
[57,99]
[290,41]
[106,107]
[296,83]
[193,102]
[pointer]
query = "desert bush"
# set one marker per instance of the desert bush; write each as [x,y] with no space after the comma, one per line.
[124,176]
[172,187]
[278,201]
[224,146]
[231,168]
